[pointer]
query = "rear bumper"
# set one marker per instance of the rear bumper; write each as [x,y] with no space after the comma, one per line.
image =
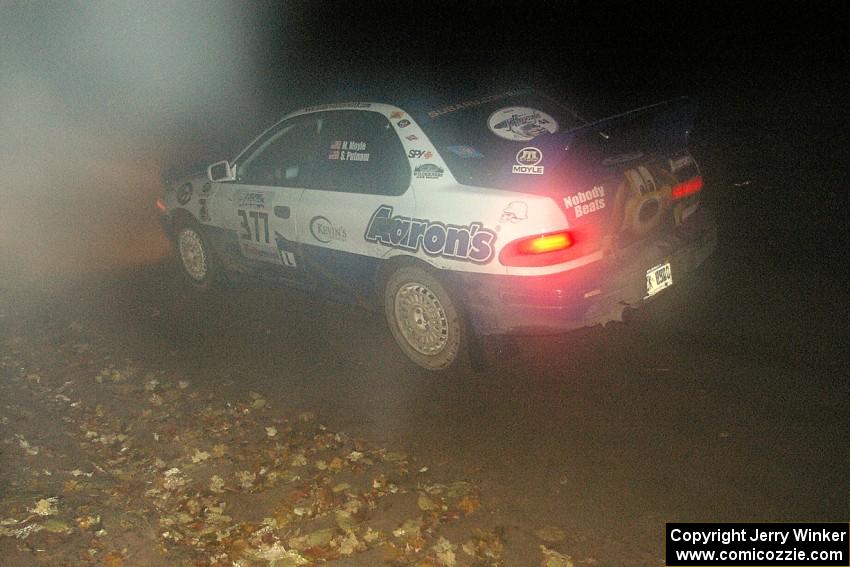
[594,294]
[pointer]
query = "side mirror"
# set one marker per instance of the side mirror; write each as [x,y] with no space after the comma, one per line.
[221,171]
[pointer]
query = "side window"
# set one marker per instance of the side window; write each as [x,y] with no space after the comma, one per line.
[359,152]
[284,159]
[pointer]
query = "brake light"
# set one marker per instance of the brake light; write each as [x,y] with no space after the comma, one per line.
[687,188]
[540,250]
[160,205]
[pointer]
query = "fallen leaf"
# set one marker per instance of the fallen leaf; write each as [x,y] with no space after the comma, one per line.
[56,526]
[552,558]
[45,507]
[426,503]
[445,552]
[371,535]
[410,528]
[550,534]
[345,520]
[216,484]
[88,522]
[271,431]
[468,504]
[246,479]
[200,456]
[350,544]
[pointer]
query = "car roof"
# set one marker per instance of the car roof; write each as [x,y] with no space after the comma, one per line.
[416,102]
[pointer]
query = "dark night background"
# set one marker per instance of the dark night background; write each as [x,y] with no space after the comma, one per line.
[114,94]
[727,401]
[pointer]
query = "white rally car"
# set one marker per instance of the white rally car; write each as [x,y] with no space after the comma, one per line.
[502,214]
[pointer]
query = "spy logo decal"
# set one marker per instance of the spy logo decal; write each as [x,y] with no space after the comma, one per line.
[184,194]
[466,243]
[416,154]
[527,160]
[520,124]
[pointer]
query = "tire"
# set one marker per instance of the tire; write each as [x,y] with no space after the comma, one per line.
[197,261]
[423,318]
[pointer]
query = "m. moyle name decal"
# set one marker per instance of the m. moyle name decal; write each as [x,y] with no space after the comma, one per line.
[467,243]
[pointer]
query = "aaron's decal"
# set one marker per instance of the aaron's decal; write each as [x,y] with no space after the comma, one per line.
[467,243]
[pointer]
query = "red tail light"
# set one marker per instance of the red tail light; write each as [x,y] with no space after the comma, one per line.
[541,250]
[160,205]
[687,188]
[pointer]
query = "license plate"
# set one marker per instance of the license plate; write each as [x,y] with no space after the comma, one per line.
[658,278]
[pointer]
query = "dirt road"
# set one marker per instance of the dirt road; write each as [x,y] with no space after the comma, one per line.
[146,424]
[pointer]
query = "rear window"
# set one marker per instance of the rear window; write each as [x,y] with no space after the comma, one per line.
[478,136]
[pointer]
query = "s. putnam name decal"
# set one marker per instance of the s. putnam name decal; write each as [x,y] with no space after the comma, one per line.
[467,243]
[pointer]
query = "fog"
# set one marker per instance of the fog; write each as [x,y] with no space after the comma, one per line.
[96,100]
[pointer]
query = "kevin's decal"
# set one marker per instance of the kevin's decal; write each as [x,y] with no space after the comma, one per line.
[324,231]
[467,243]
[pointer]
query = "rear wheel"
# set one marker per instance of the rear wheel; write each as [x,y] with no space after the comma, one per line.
[423,318]
[196,258]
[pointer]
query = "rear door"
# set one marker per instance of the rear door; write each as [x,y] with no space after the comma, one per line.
[261,206]
[361,173]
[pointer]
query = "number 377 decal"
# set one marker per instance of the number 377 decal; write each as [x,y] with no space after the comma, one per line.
[257,219]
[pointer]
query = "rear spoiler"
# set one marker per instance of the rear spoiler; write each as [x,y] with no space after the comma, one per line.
[663,127]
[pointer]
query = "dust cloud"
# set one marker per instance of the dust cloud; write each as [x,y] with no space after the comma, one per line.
[96,100]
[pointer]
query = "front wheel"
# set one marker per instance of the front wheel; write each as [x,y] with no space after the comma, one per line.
[423,318]
[196,258]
